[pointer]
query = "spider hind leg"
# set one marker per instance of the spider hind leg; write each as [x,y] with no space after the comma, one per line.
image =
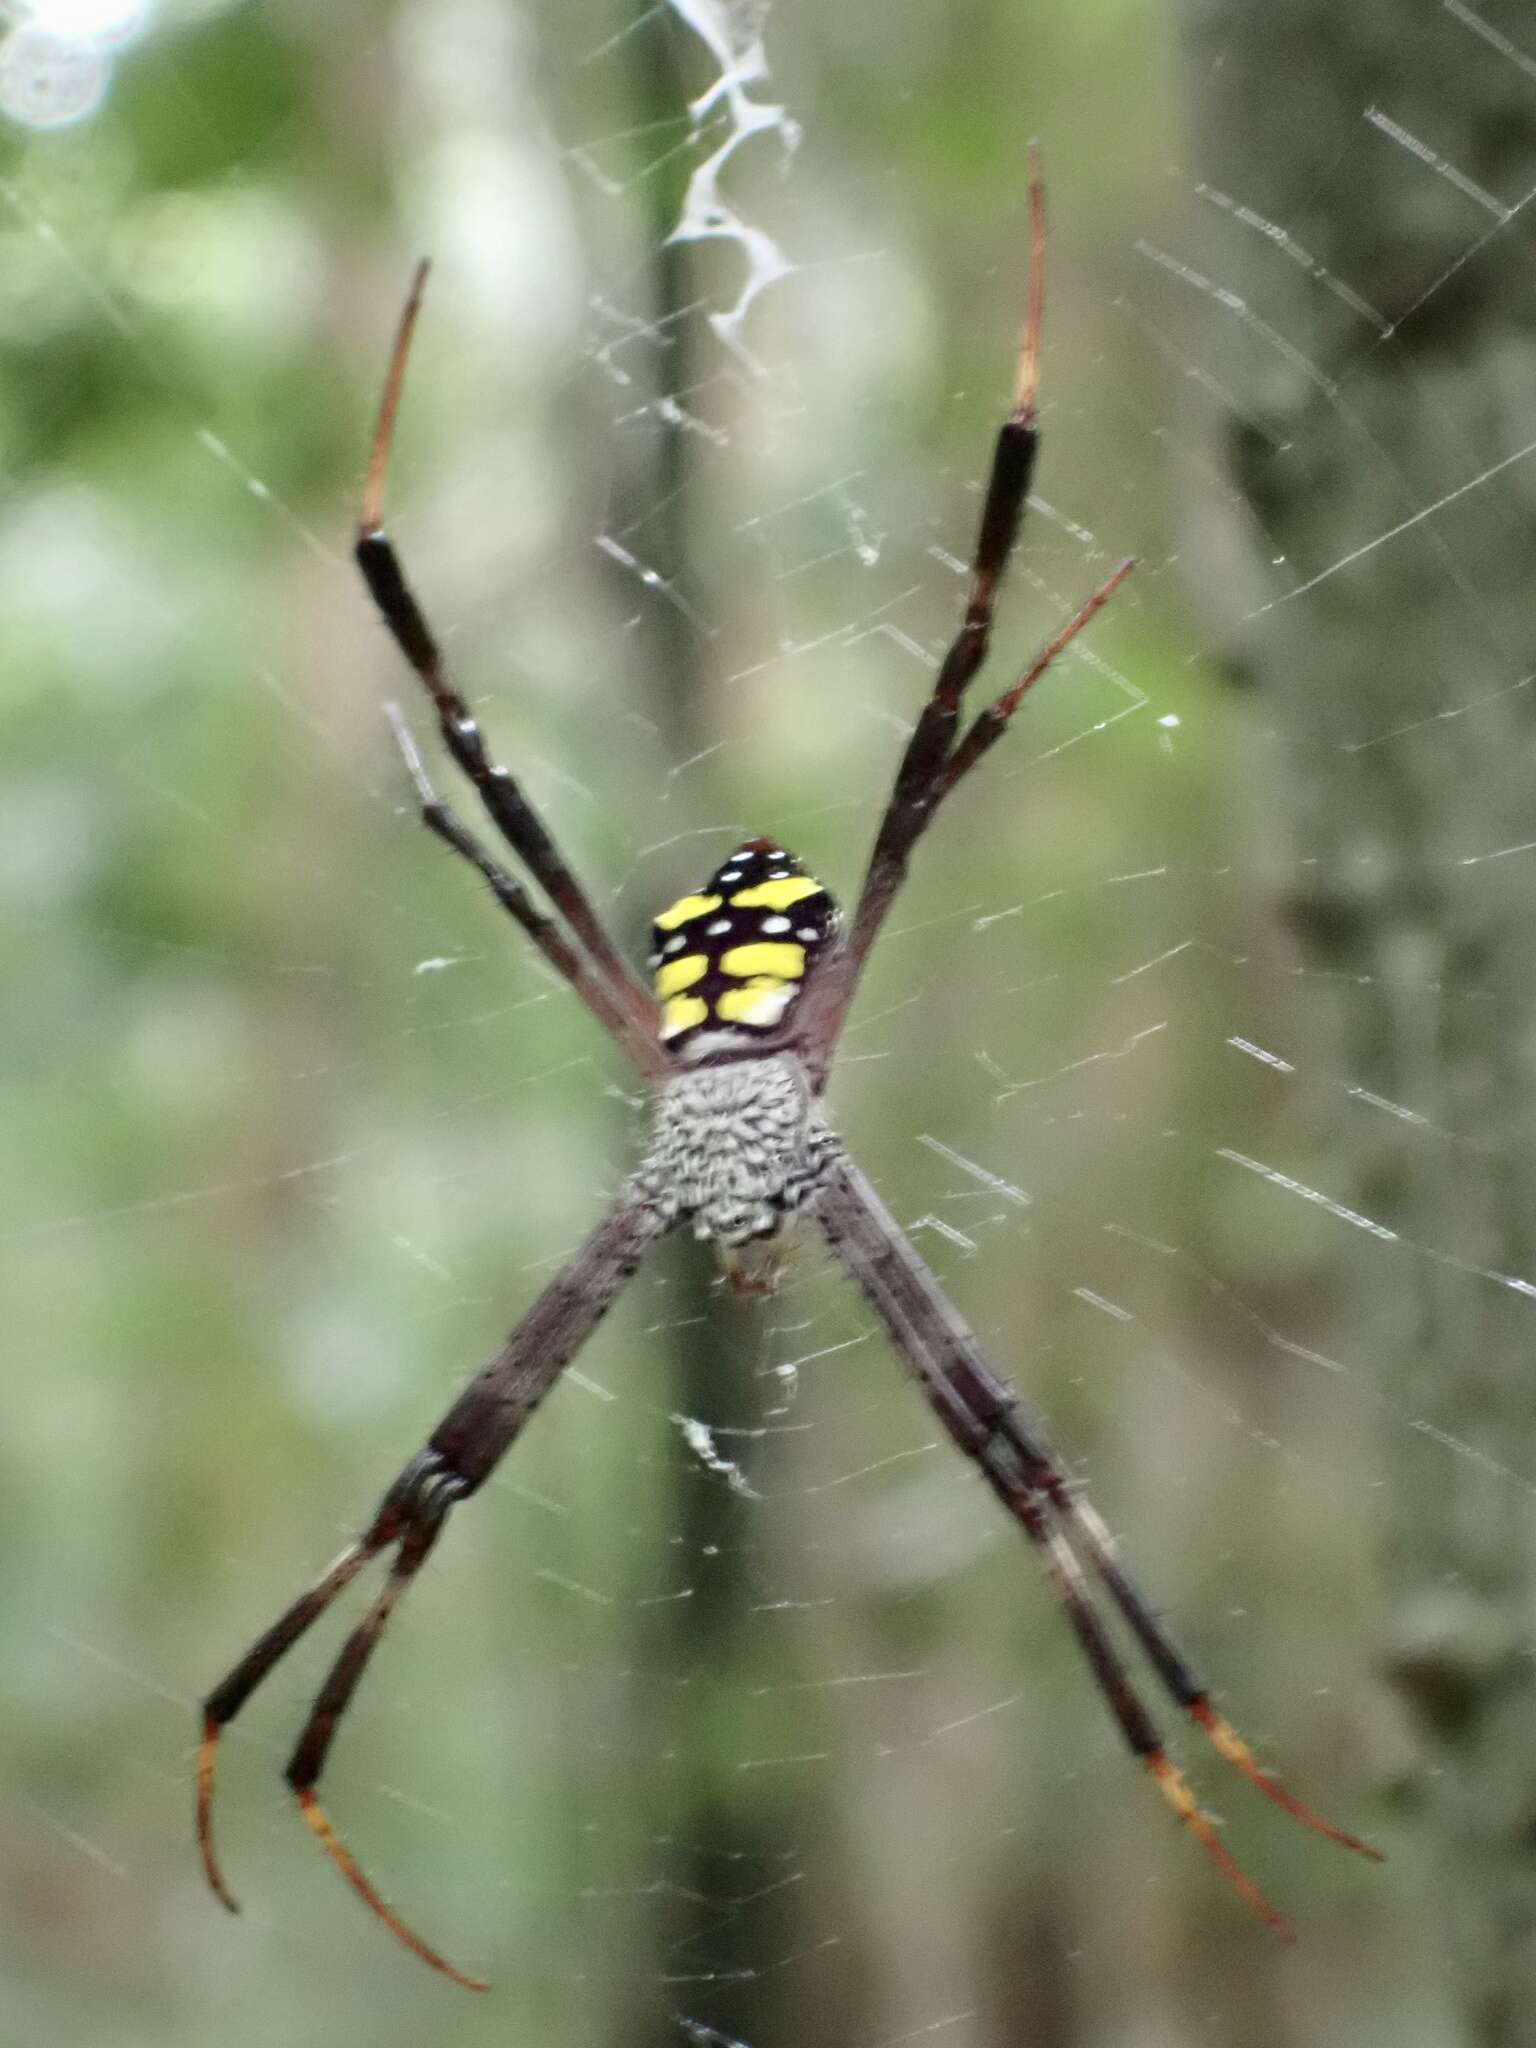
[460,1455]
[1230,1745]
[1014,1479]
[230,1695]
[1177,1676]
[438,1489]
[1175,1789]
[985,1421]
[409,1520]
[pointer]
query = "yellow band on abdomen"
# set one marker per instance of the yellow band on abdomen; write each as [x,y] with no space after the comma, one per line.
[776,958]
[679,974]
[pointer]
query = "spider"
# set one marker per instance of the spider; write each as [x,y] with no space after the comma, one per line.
[753,977]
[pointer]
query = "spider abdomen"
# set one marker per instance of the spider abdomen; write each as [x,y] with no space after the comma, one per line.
[731,960]
[737,1148]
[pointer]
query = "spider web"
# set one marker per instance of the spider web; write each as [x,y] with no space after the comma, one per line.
[733,1712]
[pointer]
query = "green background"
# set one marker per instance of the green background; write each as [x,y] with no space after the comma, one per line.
[296,1125]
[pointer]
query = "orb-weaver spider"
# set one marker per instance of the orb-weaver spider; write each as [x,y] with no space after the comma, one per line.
[753,980]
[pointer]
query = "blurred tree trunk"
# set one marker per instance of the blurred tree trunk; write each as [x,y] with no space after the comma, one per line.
[1397,688]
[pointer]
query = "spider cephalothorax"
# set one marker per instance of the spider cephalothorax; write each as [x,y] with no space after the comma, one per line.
[738,1148]
[752,984]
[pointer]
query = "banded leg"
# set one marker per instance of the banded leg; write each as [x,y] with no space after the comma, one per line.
[1179,1678]
[989,725]
[1002,514]
[457,1458]
[645,1050]
[983,1418]
[504,799]
[936,755]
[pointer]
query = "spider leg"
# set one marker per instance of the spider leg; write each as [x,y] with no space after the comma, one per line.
[1002,514]
[461,1453]
[227,1698]
[989,725]
[1180,1680]
[1136,1725]
[982,1416]
[936,755]
[411,1518]
[644,1048]
[438,1491]
[504,799]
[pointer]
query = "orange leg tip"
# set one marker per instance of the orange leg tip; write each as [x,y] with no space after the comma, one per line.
[1178,1795]
[351,1870]
[1229,1744]
[378,462]
[1027,380]
[1113,581]
[207,1763]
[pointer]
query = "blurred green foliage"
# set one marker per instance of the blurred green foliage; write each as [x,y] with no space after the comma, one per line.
[296,1126]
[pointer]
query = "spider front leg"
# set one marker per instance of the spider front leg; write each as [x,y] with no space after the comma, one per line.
[1002,514]
[505,801]
[643,1047]
[939,752]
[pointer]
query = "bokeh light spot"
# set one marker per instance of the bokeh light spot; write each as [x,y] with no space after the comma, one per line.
[49,80]
[102,23]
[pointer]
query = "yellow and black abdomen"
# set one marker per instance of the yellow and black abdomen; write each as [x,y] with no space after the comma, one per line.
[730,961]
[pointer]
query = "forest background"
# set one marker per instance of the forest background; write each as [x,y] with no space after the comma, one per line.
[1197,1059]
